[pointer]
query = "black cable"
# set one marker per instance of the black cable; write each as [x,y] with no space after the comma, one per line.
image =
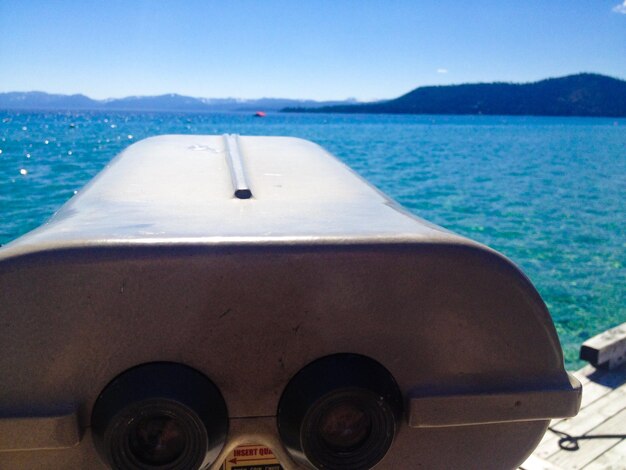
[570,443]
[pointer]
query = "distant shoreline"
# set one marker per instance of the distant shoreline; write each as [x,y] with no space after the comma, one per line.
[581,95]
[108,112]
[38,100]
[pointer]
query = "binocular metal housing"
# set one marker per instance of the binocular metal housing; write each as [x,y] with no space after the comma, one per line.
[230,302]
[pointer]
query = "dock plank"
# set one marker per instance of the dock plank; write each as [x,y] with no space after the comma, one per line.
[535,463]
[613,459]
[606,350]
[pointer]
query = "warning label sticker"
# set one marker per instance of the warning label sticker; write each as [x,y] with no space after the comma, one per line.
[251,457]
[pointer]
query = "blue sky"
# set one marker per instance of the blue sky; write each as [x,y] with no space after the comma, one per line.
[300,49]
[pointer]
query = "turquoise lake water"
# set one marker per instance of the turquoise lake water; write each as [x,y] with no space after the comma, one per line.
[549,193]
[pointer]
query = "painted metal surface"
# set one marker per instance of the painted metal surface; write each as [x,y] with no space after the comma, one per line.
[157,260]
[179,190]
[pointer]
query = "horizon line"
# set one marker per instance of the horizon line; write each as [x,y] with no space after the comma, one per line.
[351,98]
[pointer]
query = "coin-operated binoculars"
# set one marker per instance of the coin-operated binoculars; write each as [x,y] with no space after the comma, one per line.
[250,303]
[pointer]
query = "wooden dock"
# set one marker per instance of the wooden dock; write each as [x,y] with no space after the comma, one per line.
[596,438]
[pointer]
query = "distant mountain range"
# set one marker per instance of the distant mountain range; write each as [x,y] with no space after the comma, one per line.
[583,94]
[37,100]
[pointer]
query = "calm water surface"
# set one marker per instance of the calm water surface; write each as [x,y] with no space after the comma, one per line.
[547,192]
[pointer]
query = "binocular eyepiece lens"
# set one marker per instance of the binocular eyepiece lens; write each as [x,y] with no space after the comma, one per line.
[340,412]
[345,426]
[157,440]
[160,416]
